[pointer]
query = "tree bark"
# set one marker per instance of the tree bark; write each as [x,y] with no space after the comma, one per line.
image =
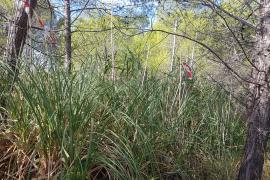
[259,120]
[17,34]
[68,47]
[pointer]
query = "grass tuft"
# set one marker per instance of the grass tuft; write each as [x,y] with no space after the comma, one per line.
[83,126]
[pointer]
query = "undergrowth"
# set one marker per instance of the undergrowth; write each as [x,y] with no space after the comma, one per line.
[84,126]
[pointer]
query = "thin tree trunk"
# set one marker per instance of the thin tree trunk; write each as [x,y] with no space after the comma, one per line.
[112,45]
[145,72]
[17,34]
[259,120]
[173,46]
[192,60]
[68,47]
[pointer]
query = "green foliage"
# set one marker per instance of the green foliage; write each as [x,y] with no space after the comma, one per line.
[84,126]
[145,125]
[5,11]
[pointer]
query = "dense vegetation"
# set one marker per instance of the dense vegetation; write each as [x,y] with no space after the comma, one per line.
[84,125]
[134,89]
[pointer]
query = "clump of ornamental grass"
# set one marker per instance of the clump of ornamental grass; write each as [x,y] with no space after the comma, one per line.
[84,126]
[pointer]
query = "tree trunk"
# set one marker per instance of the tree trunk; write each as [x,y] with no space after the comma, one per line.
[113,76]
[258,127]
[259,120]
[68,47]
[173,46]
[17,34]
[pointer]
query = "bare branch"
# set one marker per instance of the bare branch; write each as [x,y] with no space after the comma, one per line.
[241,20]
